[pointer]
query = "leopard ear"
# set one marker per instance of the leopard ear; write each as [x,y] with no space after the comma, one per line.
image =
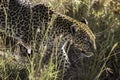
[73,28]
[83,20]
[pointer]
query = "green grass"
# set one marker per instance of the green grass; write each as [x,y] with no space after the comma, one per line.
[104,20]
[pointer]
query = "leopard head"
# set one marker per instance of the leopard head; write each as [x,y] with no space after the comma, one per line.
[83,39]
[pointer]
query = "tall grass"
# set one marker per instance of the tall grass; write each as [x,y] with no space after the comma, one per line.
[104,20]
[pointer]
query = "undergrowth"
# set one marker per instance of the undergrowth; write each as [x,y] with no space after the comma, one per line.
[104,19]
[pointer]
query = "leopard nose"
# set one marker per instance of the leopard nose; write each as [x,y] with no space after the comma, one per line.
[94,46]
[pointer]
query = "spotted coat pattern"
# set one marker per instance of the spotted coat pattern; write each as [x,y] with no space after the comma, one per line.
[38,25]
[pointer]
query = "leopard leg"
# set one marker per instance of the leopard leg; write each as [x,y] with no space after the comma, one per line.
[65,56]
[63,61]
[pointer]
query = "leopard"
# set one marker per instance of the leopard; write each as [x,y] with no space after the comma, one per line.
[37,26]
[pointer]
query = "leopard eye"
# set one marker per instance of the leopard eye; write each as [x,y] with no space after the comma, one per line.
[89,43]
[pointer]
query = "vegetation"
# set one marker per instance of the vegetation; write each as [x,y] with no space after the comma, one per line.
[104,19]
